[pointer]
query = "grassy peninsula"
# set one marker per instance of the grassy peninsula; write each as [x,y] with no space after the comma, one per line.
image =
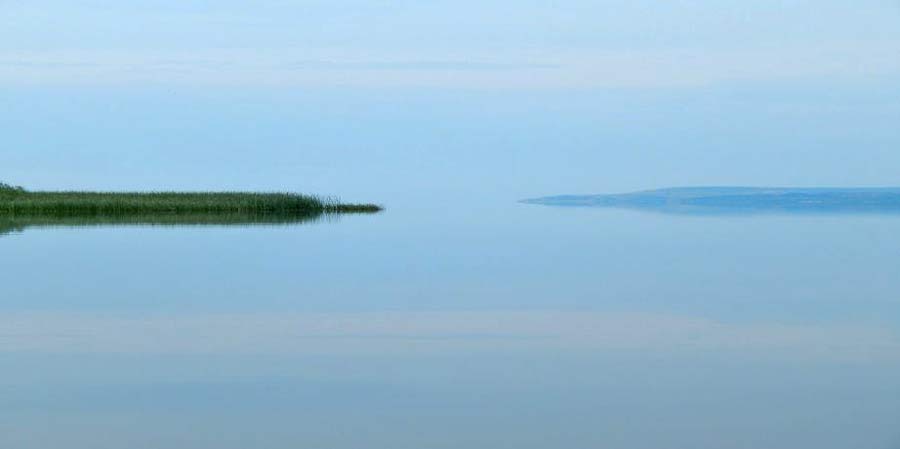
[16,201]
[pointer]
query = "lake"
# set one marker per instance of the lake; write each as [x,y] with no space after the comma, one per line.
[455,323]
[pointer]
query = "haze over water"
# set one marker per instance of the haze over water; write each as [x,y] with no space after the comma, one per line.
[458,317]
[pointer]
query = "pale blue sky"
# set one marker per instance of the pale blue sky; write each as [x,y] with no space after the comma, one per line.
[387,99]
[598,43]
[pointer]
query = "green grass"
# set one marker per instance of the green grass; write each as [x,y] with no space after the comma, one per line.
[16,201]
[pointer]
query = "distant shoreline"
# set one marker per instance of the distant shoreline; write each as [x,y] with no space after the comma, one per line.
[702,200]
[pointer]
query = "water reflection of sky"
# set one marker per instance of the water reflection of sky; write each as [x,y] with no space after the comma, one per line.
[514,325]
[409,333]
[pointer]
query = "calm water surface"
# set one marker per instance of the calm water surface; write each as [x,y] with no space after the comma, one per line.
[486,324]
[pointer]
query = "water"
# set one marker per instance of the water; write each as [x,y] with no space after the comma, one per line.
[471,323]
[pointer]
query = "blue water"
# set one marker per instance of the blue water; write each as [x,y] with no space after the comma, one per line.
[457,318]
[467,324]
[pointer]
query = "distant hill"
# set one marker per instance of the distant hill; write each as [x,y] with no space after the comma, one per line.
[740,200]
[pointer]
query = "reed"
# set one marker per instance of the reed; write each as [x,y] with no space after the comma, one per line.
[18,201]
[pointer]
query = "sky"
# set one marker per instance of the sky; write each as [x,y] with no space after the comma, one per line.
[494,44]
[513,98]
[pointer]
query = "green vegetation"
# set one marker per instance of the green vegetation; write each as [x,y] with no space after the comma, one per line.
[16,201]
[8,189]
[20,209]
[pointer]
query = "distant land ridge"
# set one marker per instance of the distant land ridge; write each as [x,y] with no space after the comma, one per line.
[740,199]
